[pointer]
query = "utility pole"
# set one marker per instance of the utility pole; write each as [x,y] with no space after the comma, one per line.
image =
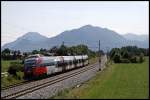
[107,52]
[99,57]
[63,43]
[62,48]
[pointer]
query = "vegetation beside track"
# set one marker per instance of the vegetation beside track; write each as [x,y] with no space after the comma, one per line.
[11,79]
[117,81]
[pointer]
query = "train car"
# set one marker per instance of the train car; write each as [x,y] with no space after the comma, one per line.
[37,65]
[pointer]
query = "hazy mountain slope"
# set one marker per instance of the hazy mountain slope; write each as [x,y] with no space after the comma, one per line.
[88,34]
[131,36]
[28,42]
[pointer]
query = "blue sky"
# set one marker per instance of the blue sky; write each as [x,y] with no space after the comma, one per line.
[50,18]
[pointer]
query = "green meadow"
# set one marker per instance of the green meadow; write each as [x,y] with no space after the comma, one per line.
[117,81]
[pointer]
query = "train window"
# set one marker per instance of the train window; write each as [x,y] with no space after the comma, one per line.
[83,60]
[65,63]
[58,64]
[70,62]
[79,60]
[30,64]
[47,64]
[74,61]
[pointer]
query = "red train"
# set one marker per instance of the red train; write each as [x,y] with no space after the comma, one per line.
[37,65]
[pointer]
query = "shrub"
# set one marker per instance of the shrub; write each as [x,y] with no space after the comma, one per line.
[125,55]
[15,67]
[134,59]
[117,58]
[19,75]
[141,58]
[124,60]
[10,78]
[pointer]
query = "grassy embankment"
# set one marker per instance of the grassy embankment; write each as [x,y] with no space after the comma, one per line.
[93,60]
[116,81]
[6,64]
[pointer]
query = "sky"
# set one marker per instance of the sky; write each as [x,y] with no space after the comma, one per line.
[50,18]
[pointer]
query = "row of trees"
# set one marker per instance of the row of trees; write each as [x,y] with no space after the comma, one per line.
[8,54]
[128,54]
[63,50]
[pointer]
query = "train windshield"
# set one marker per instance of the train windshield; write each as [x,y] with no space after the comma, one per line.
[30,63]
[34,56]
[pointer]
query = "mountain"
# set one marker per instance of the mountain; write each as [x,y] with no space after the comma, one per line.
[131,36]
[88,34]
[28,42]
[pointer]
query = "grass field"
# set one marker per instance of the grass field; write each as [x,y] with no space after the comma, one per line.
[6,63]
[124,81]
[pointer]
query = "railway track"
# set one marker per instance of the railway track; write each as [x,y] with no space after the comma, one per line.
[14,85]
[45,84]
[24,82]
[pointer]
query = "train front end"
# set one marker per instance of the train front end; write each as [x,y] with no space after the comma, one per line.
[37,66]
[31,64]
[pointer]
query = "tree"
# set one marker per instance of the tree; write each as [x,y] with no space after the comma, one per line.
[14,55]
[35,52]
[43,51]
[6,51]
[6,54]
[62,50]
[125,54]
[133,59]
[54,49]
[113,52]
[117,58]
[81,49]
[141,59]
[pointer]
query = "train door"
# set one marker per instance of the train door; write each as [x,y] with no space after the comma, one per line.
[50,68]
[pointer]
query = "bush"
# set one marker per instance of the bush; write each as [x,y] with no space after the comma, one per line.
[15,67]
[134,59]
[117,58]
[19,75]
[125,55]
[124,60]
[10,78]
[141,58]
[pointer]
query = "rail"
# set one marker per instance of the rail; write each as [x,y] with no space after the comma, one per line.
[45,84]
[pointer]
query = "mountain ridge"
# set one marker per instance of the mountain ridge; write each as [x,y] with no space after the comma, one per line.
[87,34]
[132,36]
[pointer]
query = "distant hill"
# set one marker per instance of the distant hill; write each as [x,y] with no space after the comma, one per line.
[27,42]
[88,34]
[131,36]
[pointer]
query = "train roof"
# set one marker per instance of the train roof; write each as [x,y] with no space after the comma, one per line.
[35,55]
[69,57]
[58,58]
